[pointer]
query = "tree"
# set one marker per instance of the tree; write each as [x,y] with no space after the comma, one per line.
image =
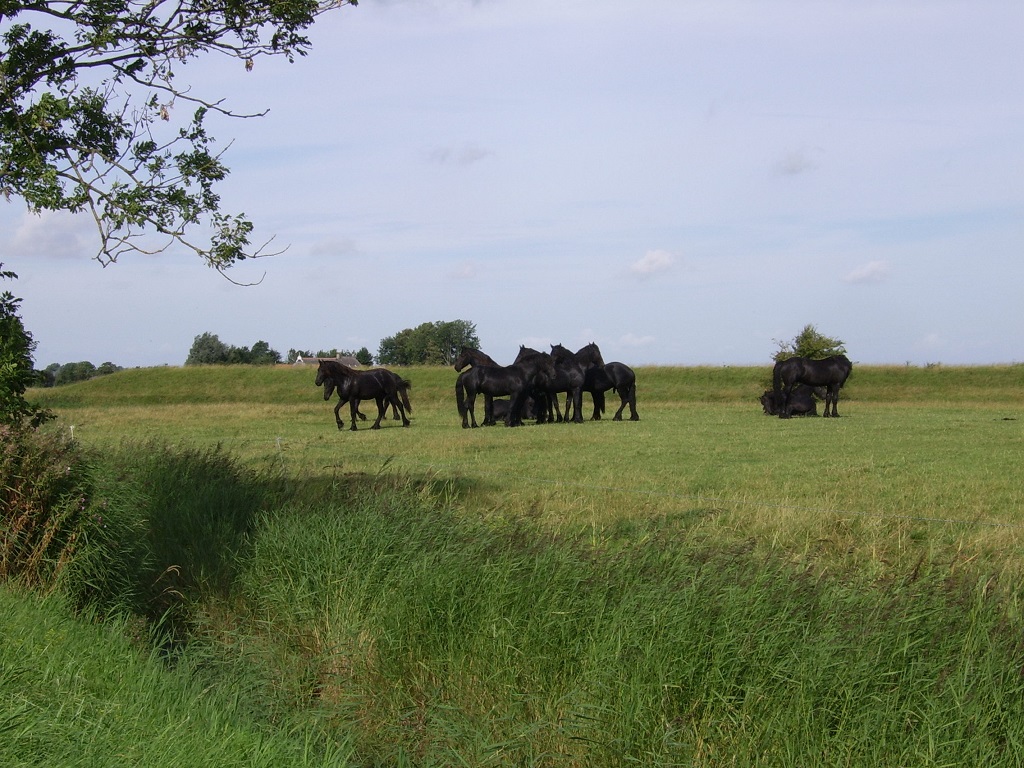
[364,357]
[262,354]
[69,373]
[17,371]
[94,117]
[809,343]
[207,349]
[435,343]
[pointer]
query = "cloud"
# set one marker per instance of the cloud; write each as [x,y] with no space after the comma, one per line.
[632,340]
[459,157]
[794,163]
[53,235]
[334,247]
[872,272]
[464,271]
[652,262]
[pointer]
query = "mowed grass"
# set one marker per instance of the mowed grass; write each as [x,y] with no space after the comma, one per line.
[922,463]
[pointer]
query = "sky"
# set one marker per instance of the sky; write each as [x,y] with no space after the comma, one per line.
[684,182]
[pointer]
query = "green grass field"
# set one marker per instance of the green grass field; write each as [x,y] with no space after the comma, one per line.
[708,586]
[921,459]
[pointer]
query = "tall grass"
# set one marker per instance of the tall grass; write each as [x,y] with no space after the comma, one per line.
[495,643]
[77,693]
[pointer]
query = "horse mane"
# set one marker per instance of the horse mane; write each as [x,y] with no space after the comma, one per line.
[336,368]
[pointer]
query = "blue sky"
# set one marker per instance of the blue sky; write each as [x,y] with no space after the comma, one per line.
[682,182]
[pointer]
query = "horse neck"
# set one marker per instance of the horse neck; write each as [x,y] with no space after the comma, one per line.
[340,370]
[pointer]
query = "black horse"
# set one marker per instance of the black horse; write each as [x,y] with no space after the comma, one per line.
[802,401]
[573,368]
[619,378]
[601,376]
[381,385]
[471,356]
[831,373]
[517,381]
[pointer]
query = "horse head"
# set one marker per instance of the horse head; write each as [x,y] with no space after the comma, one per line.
[463,359]
[321,373]
[560,352]
[525,352]
[590,354]
[328,388]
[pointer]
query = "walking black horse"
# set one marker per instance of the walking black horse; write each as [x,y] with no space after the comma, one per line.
[831,373]
[381,385]
[517,381]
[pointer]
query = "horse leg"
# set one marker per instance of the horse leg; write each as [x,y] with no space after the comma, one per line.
[382,410]
[516,400]
[831,396]
[353,408]
[633,415]
[787,390]
[489,420]
[399,407]
[392,395]
[337,414]
[577,406]
[624,400]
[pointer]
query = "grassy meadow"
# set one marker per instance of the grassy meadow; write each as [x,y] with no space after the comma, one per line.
[707,586]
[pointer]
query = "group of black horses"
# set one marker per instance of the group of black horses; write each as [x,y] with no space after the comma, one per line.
[532,385]
[529,388]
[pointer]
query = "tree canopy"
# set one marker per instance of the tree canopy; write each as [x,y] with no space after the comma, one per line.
[437,343]
[95,117]
[208,349]
[809,343]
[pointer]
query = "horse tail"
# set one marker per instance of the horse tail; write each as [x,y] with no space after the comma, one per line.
[777,381]
[460,395]
[403,388]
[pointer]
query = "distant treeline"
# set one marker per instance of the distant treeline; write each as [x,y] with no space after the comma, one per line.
[57,374]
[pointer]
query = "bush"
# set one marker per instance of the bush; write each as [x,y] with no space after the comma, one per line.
[809,343]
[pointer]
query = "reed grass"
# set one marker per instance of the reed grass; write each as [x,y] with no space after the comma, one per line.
[74,692]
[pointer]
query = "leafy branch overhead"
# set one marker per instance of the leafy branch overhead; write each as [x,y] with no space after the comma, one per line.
[90,99]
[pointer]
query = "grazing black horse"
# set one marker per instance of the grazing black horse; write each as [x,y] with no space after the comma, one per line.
[831,373]
[801,401]
[471,356]
[518,381]
[379,384]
